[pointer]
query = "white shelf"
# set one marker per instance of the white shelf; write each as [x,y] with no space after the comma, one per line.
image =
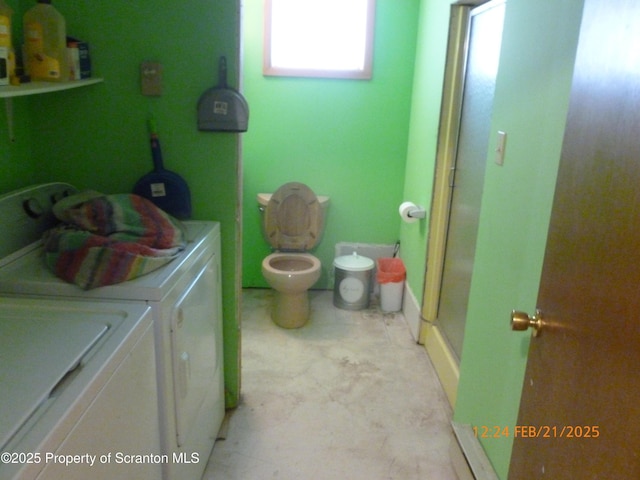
[35,88]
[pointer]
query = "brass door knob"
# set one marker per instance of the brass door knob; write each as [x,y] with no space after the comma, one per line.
[521,321]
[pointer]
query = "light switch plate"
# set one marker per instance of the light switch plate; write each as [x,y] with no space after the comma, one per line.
[500,147]
[151,78]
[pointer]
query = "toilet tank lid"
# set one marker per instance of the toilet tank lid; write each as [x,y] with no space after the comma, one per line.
[263,199]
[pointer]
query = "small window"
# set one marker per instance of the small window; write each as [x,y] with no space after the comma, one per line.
[319,38]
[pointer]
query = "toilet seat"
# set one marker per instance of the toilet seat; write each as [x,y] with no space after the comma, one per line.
[293,218]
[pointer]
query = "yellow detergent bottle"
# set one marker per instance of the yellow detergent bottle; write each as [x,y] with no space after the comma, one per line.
[45,43]
[7,59]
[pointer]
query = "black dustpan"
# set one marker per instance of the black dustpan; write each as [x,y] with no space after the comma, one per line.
[166,189]
[221,108]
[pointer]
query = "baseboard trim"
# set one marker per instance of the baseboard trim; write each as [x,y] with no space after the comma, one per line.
[468,458]
[443,361]
[459,461]
[411,312]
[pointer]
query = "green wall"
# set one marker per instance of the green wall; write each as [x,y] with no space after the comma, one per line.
[531,99]
[96,137]
[532,93]
[423,134]
[344,138]
[17,167]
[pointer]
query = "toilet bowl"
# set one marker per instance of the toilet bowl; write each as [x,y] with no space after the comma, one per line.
[291,275]
[292,223]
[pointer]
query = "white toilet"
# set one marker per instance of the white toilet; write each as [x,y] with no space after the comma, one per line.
[293,221]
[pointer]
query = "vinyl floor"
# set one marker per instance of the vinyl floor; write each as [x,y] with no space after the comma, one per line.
[348,396]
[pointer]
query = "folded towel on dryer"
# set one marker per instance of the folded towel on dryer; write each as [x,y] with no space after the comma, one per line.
[107,239]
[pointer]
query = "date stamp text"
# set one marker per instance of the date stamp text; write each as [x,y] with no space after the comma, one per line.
[536,431]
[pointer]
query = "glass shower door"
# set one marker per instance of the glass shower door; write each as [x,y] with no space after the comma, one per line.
[467,176]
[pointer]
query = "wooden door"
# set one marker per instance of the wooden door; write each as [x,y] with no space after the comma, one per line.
[580,409]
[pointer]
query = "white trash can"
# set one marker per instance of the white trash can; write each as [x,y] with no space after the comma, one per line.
[391,274]
[352,281]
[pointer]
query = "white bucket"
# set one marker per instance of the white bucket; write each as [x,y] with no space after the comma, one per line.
[391,296]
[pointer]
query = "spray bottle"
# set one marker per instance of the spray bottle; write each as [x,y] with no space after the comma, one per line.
[45,43]
[7,58]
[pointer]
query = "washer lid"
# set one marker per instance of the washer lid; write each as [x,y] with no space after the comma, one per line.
[353,263]
[293,218]
[35,354]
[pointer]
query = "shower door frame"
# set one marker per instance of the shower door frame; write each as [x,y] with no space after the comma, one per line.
[442,354]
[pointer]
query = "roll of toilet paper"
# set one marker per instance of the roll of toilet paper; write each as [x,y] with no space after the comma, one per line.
[405,210]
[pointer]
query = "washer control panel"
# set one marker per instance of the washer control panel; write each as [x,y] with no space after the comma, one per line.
[27,213]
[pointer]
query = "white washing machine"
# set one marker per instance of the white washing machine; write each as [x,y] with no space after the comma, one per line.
[69,370]
[185,302]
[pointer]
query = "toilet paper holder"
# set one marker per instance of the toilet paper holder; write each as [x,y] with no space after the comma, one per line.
[417,212]
[410,212]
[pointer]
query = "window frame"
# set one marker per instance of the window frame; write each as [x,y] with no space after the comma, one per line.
[365,73]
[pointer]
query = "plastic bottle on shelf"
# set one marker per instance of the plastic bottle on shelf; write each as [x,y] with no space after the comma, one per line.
[45,43]
[5,24]
[7,58]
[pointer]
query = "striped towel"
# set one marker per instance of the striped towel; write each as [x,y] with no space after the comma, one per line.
[107,239]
